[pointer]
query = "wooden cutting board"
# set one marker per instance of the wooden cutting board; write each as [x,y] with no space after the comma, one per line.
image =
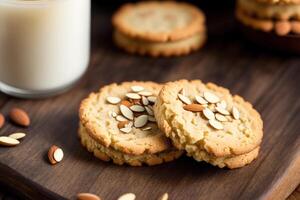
[269,80]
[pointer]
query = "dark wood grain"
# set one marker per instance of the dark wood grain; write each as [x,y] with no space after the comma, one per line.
[267,79]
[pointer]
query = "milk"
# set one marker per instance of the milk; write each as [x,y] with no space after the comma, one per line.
[44,45]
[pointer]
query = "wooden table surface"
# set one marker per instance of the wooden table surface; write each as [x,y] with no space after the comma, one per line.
[269,80]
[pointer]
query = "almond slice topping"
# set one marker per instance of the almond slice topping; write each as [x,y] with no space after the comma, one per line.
[145,101]
[152,99]
[137,88]
[215,124]
[193,107]
[133,96]
[145,93]
[222,104]
[235,113]
[141,121]
[151,119]
[222,110]
[208,113]
[200,100]
[17,136]
[210,97]
[126,112]
[137,108]
[126,129]
[147,128]
[113,100]
[221,118]
[149,110]
[8,141]
[184,99]
[120,118]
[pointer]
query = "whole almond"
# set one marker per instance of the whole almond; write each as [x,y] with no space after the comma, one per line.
[19,116]
[2,120]
[87,196]
[51,154]
[193,107]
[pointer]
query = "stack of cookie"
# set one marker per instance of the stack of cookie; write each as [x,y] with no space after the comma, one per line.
[274,23]
[159,28]
[134,123]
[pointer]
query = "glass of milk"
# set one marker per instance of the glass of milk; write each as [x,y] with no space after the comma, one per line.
[44,45]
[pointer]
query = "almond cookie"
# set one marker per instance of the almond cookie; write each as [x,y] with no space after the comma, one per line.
[159,28]
[118,123]
[206,118]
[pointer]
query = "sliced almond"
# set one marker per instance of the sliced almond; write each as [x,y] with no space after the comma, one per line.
[200,100]
[152,99]
[58,155]
[222,104]
[165,196]
[8,141]
[221,118]
[145,93]
[149,110]
[133,96]
[235,113]
[215,124]
[137,108]
[222,110]
[151,119]
[120,118]
[145,101]
[210,97]
[208,113]
[2,120]
[122,124]
[19,116]
[87,196]
[113,100]
[141,121]
[126,112]
[137,88]
[126,103]
[127,196]
[193,107]
[147,128]
[184,99]
[17,136]
[126,129]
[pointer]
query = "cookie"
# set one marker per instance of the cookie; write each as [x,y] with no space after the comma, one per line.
[118,123]
[120,158]
[159,21]
[280,19]
[205,117]
[171,48]
[159,28]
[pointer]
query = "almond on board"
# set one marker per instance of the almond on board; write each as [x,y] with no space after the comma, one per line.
[55,154]
[127,196]
[87,196]
[19,116]
[2,120]
[7,141]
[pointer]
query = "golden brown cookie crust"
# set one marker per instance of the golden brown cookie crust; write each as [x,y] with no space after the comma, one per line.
[238,137]
[154,49]
[281,28]
[279,1]
[102,127]
[122,20]
[120,158]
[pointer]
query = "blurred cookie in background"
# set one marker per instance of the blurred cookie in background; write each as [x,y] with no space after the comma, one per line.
[159,28]
[272,23]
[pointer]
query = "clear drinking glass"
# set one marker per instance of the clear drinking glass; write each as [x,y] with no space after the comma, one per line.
[44,45]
